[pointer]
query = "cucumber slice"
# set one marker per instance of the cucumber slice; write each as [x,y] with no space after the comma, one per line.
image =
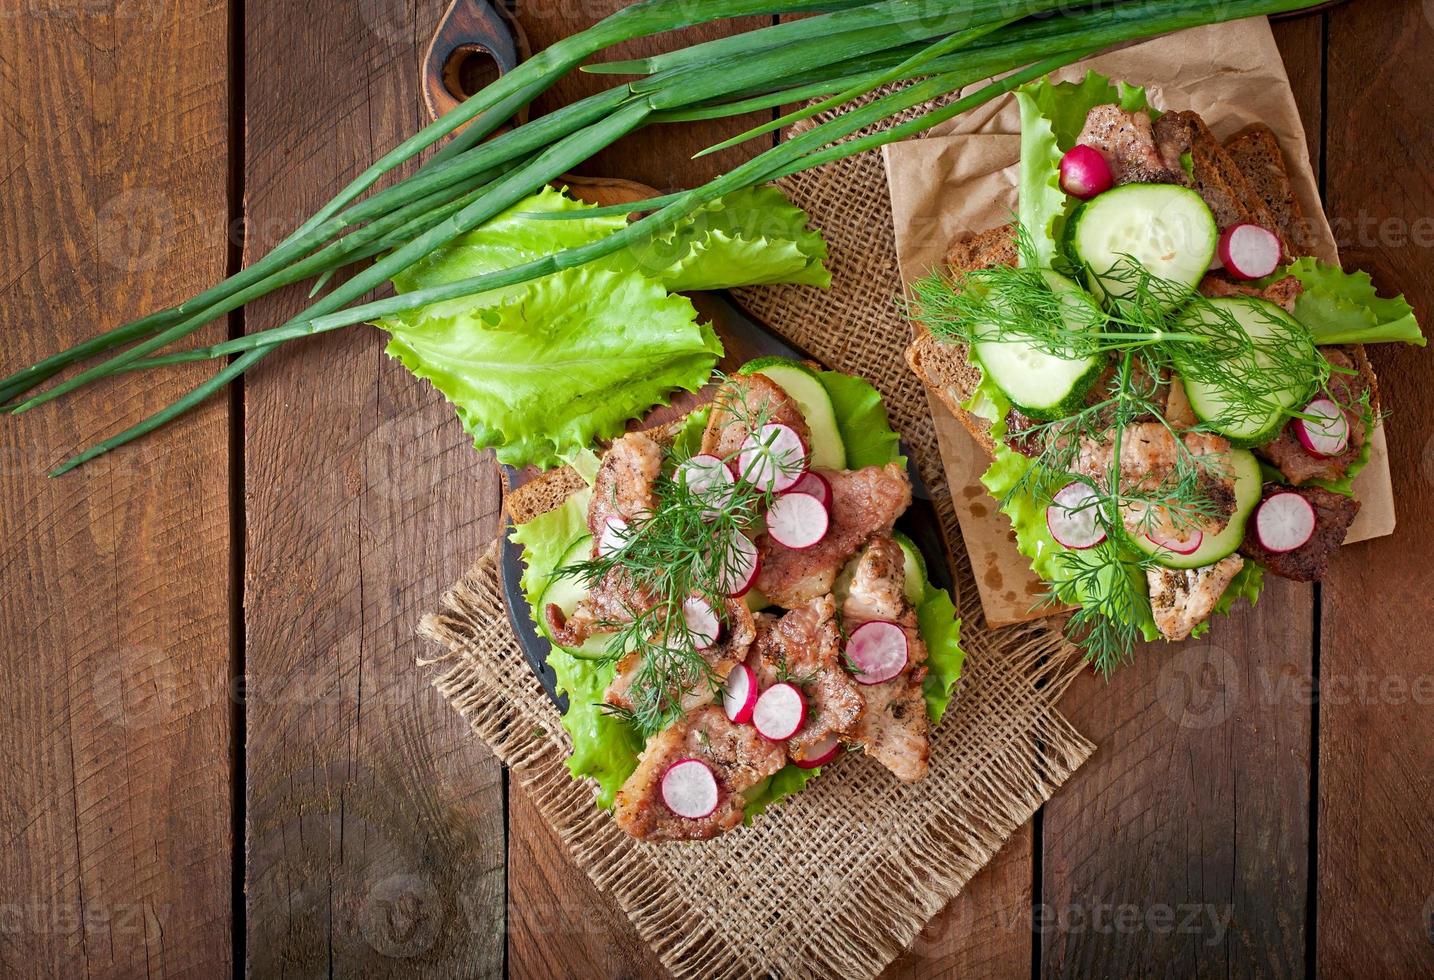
[566,592]
[806,389]
[1268,326]
[1168,229]
[915,569]
[1249,482]
[1041,385]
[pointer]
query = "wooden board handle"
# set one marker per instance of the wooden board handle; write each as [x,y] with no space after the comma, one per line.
[475,43]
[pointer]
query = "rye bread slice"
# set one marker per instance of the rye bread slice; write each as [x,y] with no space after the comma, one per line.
[1215,176]
[1256,151]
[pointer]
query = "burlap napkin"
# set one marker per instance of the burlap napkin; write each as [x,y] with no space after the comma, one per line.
[777,897]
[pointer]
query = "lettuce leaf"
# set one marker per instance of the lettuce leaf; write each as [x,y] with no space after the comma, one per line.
[747,238]
[604,747]
[861,419]
[1052,116]
[940,627]
[541,370]
[1342,307]
[568,362]
[1033,537]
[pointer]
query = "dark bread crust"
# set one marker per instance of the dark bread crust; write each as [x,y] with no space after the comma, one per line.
[1216,176]
[1256,152]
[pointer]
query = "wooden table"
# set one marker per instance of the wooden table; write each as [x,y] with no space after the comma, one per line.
[328,813]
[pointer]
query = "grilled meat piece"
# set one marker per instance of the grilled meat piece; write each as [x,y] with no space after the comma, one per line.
[1148,458]
[1183,598]
[1127,141]
[894,729]
[1298,464]
[865,503]
[738,632]
[739,757]
[804,648]
[622,490]
[1281,292]
[743,401]
[1333,514]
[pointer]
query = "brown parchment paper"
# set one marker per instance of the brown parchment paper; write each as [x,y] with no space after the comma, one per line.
[962,178]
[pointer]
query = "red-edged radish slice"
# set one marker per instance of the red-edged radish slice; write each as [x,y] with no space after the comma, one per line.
[709,478]
[877,651]
[613,537]
[739,565]
[819,753]
[797,521]
[690,789]
[813,484]
[701,621]
[1327,437]
[739,694]
[1284,522]
[779,712]
[1084,172]
[1249,251]
[773,457]
[1071,517]
[1174,541]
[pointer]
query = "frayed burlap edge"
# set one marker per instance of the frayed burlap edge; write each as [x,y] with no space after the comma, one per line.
[1016,749]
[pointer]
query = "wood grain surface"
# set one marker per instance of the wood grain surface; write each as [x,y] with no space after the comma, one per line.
[115,733]
[1259,805]
[375,827]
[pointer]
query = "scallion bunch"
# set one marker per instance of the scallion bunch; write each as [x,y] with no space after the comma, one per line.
[846,50]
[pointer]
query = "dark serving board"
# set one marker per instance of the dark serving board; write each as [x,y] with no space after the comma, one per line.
[745,339]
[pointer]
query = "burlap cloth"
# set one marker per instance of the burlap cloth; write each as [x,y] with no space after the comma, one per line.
[838,880]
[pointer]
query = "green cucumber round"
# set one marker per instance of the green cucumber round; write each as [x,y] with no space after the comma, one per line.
[1045,386]
[805,387]
[1263,322]
[1167,228]
[1249,482]
[566,592]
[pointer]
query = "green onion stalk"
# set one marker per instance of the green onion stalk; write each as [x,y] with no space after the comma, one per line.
[848,52]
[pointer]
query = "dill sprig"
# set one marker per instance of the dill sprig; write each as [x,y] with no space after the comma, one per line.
[1155,330]
[684,547]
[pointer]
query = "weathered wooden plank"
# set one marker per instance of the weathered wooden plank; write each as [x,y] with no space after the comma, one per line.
[114,613]
[375,823]
[1376,710]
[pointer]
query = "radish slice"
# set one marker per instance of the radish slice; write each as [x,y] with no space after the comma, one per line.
[1249,251]
[613,537]
[779,712]
[877,650]
[1084,172]
[739,565]
[1284,522]
[1071,517]
[773,457]
[797,521]
[1171,540]
[739,694]
[708,478]
[819,753]
[689,788]
[813,484]
[701,621]
[1327,437]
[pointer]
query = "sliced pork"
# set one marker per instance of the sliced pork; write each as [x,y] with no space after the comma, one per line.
[1127,142]
[865,503]
[1333,514]
[746,402]
[1348,391]
[738,632]
[739,759]
[1183,598]
[894,729]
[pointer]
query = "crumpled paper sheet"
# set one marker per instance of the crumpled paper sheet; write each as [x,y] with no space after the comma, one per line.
[962,179]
